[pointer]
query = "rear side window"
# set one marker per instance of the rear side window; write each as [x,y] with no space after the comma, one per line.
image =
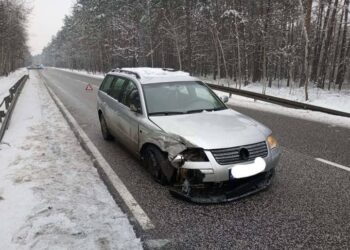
[106,84]
[117,88]
[130,93]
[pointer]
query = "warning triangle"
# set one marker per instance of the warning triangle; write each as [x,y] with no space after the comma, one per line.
[89,87]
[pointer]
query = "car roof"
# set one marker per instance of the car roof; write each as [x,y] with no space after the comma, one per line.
[147,75]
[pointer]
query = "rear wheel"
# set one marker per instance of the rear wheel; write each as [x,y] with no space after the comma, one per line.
[104,129]
[155,161]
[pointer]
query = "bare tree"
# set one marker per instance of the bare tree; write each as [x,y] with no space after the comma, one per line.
[242,41]
[344,53]
[13,36]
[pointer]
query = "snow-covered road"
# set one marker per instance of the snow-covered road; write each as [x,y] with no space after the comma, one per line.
[50,193]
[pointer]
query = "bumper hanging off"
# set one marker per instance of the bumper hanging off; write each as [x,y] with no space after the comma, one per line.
[209,193]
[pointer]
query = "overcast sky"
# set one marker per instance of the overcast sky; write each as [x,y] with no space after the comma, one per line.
[45,20]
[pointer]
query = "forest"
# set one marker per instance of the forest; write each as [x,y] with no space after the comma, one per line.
[298,41]
[13,36]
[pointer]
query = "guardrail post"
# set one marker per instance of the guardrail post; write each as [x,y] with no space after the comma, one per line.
[12,92]
[7,100]
[2,115]
[10,102]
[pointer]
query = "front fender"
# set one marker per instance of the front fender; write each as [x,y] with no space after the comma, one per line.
[167,142]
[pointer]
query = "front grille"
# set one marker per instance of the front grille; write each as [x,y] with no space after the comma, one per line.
[226,156]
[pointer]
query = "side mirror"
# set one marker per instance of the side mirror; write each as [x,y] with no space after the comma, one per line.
[224,99]
[134,109]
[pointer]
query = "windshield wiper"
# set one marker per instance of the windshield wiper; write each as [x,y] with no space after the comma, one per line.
[221,108]
[197,111]
[167,113]
[201,110]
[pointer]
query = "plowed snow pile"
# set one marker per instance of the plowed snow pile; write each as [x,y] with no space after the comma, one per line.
[50,194]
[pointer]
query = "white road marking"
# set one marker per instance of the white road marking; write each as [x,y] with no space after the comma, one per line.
[333,164]
[124,193]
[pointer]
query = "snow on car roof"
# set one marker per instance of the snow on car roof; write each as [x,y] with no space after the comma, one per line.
[152,75]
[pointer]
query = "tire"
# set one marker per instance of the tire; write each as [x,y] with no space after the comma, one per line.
[155,161]
[104,129]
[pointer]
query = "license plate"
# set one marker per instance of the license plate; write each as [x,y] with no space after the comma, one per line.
[239,171]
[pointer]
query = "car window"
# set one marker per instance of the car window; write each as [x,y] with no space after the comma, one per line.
[182,90]
[204,94]
[106,84]
[130,95]
[180,97]
[116,88]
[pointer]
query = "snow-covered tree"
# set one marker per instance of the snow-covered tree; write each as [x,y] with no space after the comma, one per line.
[241,41]
[13,36]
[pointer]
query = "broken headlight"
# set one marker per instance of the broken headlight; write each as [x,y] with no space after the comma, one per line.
[191,154]
[194,154]
[272,142]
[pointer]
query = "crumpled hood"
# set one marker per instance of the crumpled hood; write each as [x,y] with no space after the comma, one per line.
[211,130]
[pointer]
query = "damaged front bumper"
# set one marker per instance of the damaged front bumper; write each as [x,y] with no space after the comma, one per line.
[200,178]
[210,182]
[214,172]
[226,191]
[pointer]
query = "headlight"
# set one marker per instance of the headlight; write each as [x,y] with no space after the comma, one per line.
[190,154]
[272,142]
[194,154]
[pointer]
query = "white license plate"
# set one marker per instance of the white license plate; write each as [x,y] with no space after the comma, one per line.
[246,170]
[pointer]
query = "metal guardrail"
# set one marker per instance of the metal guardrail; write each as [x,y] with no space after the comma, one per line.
[10,102]
[277,100]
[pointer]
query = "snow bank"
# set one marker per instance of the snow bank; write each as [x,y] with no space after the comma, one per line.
[50,194]
[332,99]
[6,82]
[244,102]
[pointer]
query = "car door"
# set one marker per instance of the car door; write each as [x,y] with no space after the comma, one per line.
[113,111]
[103,96]
[130,119]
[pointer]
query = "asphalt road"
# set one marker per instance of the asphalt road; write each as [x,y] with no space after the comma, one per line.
[307,207]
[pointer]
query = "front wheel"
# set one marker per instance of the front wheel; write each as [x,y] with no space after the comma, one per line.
[104,129]
[156,163]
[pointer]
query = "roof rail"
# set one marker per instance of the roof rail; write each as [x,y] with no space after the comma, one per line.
[127,72]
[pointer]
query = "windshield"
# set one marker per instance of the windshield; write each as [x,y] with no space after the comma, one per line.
[180,98]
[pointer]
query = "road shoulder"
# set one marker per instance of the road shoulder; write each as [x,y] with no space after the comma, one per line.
[50,192]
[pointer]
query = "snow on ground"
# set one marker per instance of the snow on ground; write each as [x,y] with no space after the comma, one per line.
[333,99]
[7,82]
[240,101]
[50,193]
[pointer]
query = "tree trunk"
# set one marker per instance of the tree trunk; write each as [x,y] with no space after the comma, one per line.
[306,30]
[188,36]
[344,53]
[336,52]
[321,71]
[318,39]
[238,54]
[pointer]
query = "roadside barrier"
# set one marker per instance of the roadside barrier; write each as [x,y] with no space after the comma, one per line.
[277,100]
[8,103]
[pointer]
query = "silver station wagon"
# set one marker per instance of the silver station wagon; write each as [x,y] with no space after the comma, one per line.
[185,135]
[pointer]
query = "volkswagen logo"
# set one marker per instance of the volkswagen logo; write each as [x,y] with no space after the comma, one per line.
[244,154]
